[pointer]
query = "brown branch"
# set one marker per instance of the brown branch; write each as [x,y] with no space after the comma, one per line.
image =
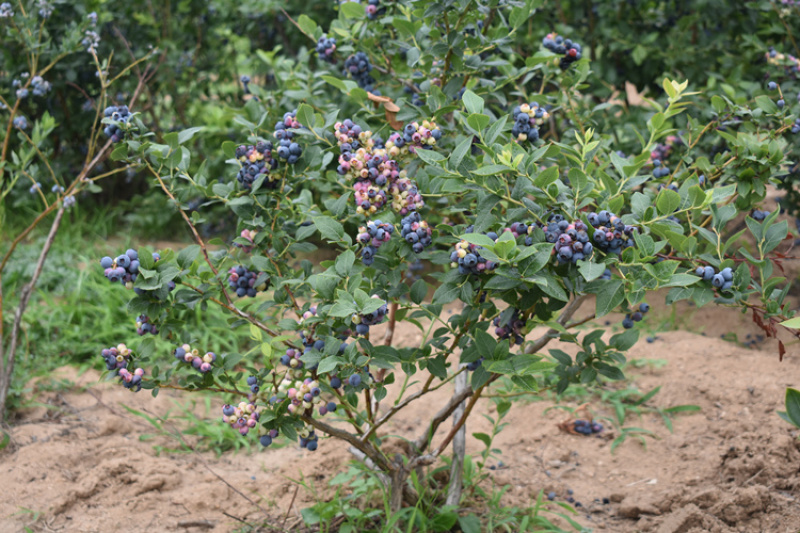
[7,365]
[389,336]
[444,413]
[431,457]
[354,441]
[570,309]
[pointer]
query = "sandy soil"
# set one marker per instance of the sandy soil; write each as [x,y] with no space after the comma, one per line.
[81,465]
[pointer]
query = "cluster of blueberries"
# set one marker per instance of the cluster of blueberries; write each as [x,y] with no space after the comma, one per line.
[303,395]
[243,281]
[363,322]
[45,8]
[467,256]
[267,439]
[186,354]
[20,122]
[611,234]
[415,136]
[256,161]
[326,47]
[780,59]
[663,150]
[512,328]
[90,41]
[119,113]
[416,232]
[242,418]
[131,380]
[631,318]
[117,359]
[759,215]
[125,269]
[38,86]
[571,239]
[308,439]
[796,126]
[36,187]
[248,235]
[558,45]
[144,326]
[659,170]
[587,427]
[287,148]
[374,9]
[378,178]
[252,382]
[292,359]
[6,11]
[722,279]
[359,67]
[527,119]
[373,235]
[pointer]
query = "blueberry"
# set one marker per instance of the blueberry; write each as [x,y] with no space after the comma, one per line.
[265,440]
[718,280]
[311,446]
[551,496]
[335,383]
[106,262]
[644,307]
[772,86]
[355,380]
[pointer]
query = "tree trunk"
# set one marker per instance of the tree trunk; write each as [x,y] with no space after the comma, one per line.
[459,448]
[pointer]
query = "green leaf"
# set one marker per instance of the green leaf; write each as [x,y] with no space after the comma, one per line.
[793,406]
[429,156]
[765,103]
[591,271]
[342,308]
[187,134]
[418,291]
[352,10]
[793,323]
[667,201]
[472,102]
[446,293]
[478,121]
[609,297]
[329,228]
[491,170]
[345,262]
[478,239]
[305,116]
[328,364]
[308,26]
[187,256]
[459,153]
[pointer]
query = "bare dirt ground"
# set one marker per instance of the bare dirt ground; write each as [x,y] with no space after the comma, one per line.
[732,467]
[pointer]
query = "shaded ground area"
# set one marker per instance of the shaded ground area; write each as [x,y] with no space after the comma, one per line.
[733,467]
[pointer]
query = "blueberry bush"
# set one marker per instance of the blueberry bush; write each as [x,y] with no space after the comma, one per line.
[38,182]
[484,143]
